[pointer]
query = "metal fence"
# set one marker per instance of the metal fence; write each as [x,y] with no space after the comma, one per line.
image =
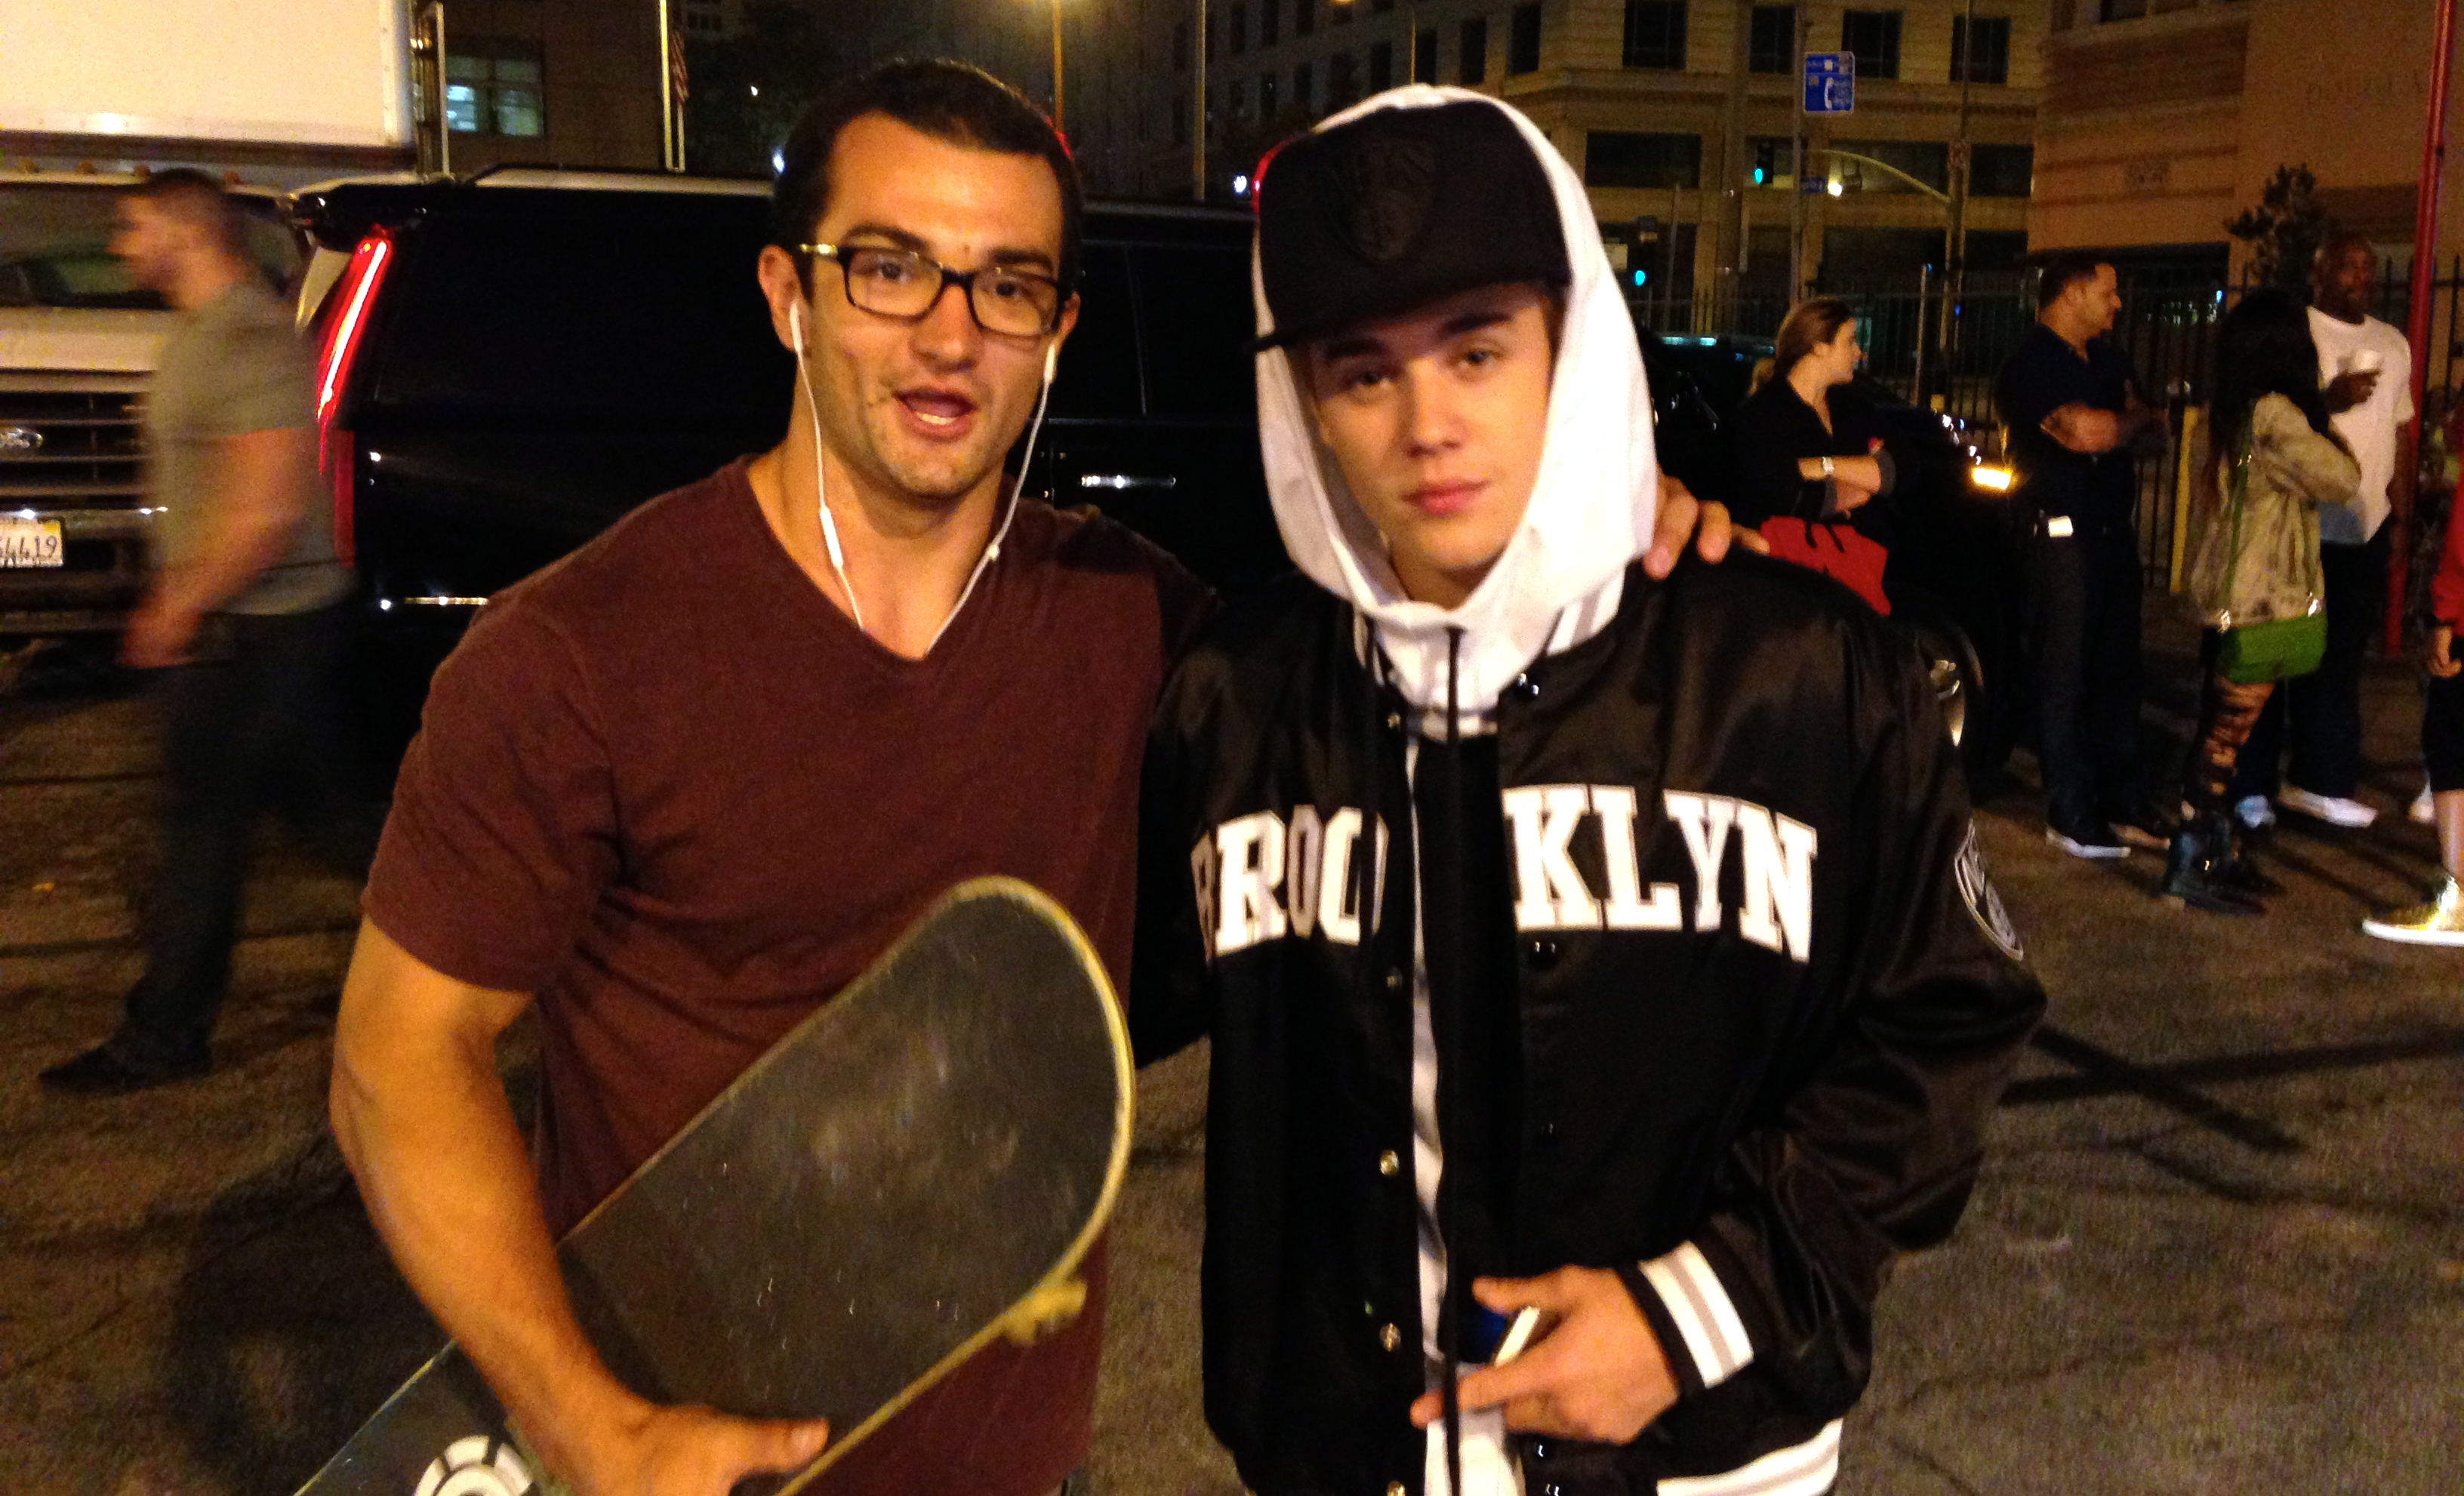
[2167,325]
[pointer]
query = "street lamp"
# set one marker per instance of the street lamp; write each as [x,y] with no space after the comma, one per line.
[1056,67]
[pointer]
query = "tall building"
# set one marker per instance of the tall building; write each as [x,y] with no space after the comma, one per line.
[2163,119]
[1640,96]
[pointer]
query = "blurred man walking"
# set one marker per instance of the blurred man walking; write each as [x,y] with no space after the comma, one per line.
[243,623]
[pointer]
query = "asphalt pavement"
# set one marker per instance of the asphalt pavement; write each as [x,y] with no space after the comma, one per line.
[2219,1245]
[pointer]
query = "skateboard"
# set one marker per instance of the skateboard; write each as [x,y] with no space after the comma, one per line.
[917,1169]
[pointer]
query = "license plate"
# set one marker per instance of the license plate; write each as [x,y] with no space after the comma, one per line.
[30,542]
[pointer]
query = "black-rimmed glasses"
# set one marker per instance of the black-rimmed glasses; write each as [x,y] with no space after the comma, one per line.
[903,284]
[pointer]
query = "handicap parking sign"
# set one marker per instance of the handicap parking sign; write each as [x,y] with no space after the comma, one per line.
[1830,83]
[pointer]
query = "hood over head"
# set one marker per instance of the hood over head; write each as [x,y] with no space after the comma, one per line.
[1593,503]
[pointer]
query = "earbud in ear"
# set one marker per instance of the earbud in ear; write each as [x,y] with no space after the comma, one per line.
[795,327]
[1051,361]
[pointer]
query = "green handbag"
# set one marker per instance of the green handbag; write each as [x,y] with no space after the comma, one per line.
[2276,648]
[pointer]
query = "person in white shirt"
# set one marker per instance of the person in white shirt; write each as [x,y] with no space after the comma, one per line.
[2366,370]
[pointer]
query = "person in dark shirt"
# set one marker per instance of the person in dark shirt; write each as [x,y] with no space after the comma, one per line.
[2069,402]
[1799,455]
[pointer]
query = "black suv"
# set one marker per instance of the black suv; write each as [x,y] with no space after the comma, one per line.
[508,363]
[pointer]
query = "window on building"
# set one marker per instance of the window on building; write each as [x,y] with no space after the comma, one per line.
[1236,28]
[1270,22]
[1267,96]
[1424,57]
[1773,159]
[2001,170]
[1342,81]
[1771,45]
[1654,34]
[1631,159]
[1472,63]
[1304,17]
[494,88]
[1874,36]
[1926,160]
[1180,119]
[1523,41]
[1382,66]
[1239,103]
[1180,45]
[1304,95]
[1980,53]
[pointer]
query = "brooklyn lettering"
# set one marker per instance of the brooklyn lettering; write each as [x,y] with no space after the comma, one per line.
[1776,855]
[1262,877]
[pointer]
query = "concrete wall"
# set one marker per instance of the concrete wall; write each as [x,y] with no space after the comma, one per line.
[2155,132]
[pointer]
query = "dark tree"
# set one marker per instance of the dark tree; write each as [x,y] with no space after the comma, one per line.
[2285,230]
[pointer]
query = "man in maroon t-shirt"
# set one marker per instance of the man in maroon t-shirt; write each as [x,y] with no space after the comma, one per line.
[678,789]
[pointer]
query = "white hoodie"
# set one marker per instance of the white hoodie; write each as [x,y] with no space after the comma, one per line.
[1557,583]
[1558,580]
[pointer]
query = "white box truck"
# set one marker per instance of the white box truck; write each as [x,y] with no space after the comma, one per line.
[320,85]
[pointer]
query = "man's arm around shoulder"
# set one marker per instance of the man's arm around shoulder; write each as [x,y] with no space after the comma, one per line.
[423,1119]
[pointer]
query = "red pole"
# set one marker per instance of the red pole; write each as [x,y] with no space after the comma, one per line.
[2425,262]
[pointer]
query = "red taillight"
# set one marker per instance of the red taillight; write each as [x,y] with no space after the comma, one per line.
[351,298]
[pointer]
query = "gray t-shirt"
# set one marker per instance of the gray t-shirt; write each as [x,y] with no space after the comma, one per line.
[227,368]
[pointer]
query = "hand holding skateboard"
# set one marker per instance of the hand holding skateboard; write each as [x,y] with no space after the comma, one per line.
[651,1450]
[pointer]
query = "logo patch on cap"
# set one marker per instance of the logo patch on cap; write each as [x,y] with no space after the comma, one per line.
[1385,189]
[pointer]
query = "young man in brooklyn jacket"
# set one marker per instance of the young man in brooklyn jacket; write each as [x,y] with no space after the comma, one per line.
[1567,938]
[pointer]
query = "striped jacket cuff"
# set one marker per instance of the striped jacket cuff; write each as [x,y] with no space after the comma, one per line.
[1690,1311]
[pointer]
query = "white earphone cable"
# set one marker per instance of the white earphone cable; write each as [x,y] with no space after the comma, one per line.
[820,499]
[992,550]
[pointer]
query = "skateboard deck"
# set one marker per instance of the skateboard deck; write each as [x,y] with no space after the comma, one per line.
[917,1169]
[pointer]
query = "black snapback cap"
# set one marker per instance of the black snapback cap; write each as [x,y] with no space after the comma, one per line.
[1398,209]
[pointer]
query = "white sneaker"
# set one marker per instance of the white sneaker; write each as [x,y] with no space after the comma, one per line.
[2333,809]
[2423,809]
[2254,812]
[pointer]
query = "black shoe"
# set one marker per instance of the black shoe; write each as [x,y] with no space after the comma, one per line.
[2093,840]
[110,1070]
[2196,871]
[2242,872]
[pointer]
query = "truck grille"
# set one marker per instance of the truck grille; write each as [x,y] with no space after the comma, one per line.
[71,448]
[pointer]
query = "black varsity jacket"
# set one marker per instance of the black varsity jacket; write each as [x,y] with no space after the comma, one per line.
[1767,1000]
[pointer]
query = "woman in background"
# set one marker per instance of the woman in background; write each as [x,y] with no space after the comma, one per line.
[2267,433]
[1797,455]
